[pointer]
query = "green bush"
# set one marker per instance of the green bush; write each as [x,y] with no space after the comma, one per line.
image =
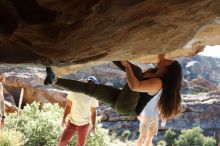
[209,141]
[194,137]
[100,138]
[11,138]
[170,137]
[42,127]
[162,143]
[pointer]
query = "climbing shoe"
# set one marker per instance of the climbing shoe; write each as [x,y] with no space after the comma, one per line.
[50,76]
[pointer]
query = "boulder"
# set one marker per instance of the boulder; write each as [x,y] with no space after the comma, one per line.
[31,80]
[202,85]
[185,86]
[80,33]
[196,112]
[194,67]
[215,93]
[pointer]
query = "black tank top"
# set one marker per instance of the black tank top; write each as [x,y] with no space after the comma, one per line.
[143,100]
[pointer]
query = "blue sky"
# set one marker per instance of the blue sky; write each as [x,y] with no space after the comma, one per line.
[213,51]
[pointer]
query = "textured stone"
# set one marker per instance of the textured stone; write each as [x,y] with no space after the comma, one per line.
[31,80]
[194,67]
[202,85]
[81,33]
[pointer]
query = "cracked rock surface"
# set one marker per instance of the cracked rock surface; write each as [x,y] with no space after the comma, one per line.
[83,32]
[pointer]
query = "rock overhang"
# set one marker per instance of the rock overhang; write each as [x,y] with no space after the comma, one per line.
[82,33]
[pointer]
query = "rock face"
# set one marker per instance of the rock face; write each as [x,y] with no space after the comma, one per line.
[194,67]
[31,80]
[198,110]
[202,85]
[76,32]
[206,67]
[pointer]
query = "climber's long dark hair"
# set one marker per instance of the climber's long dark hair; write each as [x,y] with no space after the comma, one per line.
[170,101]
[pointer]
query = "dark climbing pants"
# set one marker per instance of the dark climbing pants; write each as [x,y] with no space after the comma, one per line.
[122,101]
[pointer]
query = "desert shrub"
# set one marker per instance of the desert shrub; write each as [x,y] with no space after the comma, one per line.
[162,143]
[42,127]
[209,141]
[170,137]
[11,138]
[194,137]
[100,138]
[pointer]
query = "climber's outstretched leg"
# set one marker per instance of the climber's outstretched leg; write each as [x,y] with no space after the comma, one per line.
[106,94]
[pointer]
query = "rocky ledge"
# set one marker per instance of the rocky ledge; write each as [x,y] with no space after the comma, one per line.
[79,33]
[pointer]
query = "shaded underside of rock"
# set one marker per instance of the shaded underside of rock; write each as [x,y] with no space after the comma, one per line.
[60,33]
